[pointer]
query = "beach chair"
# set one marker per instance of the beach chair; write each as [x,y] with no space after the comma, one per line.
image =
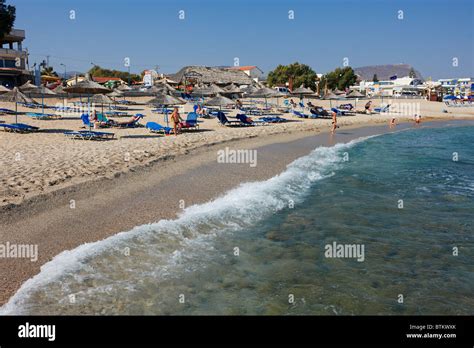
[275,119]
[18,128]
[133,124]
[41,116]
[340,112]
[89,135]
[191,121]
[158,128]
[224,121]
[382,109]
[300,114]
[245,121]
[7,111]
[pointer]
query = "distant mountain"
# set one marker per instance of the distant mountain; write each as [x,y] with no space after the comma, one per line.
[384,72]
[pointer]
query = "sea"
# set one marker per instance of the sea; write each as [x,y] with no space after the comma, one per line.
[381,225]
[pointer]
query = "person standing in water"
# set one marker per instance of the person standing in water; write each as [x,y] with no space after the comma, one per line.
[334,123]
[176,119]
[417,120]
[392,123]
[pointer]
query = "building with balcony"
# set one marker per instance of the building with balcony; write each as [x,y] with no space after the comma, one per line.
[14,69]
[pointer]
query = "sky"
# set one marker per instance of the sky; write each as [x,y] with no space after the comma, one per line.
[429,34]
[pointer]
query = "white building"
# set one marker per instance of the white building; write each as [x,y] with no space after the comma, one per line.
[396,87]
[458,86]
[251,70]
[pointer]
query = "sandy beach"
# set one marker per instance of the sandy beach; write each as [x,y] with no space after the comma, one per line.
[59,193]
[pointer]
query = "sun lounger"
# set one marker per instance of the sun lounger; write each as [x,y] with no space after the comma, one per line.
[19,128]
[132,124]
[223,120]
[89,135]
[300,114]
[191,121]
[158,128]
[117,113]
[41,116]
[382,109]
[7,111]
[340,112]
[275,119]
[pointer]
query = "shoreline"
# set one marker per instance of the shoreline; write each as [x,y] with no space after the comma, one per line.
[149,193]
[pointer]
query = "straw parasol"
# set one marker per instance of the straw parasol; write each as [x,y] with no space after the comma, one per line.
[302,90]
[3,89]
[28,87]
[124,88]
[16,97]
[356,95]
[232,89]
[265,92]
[116,93]
[165,100]
[87,87]
[219,101]
[338,92]
[330,96]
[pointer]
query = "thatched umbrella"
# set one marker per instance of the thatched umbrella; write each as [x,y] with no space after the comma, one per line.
[330,96]
[338,92]
[116,93]
[249,89]
[28,87]
[356,95]
[44,91]
[232,89]
[302,90]
[102,99]
[265,92]
[219,101]
[124,88]
[3,89]
[165,100]
[87,87]
[17,97]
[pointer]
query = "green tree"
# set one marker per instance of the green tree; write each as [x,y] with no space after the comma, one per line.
[49,71]
[340,78]
[412,73]
[7,18]
[97,71]
[375,78]
[301,74]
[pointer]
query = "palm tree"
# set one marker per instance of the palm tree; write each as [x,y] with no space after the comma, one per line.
[49,71]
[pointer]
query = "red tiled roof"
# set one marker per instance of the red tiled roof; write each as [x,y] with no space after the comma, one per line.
[105,79]
[246,67]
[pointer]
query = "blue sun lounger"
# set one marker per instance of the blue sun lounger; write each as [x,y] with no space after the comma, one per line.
[382,109]
[7,111]
[275,119]
[191,121]
[223,120]
[158,128]
[19,128]
[41,116]
[89,135]
[300,114]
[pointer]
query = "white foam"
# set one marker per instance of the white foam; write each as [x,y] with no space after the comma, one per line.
[240,207]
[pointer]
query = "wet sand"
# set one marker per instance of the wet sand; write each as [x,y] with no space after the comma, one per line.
[66,218]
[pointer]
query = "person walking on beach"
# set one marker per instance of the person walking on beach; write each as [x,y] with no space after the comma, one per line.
[176,119]
[392,123]
[334,123]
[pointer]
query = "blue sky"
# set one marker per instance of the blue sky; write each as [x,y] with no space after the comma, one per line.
[258,32]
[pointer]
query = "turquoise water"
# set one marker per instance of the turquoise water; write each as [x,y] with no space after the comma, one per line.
[400,195]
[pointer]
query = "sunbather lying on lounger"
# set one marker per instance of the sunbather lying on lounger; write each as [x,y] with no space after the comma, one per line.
[131,120]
